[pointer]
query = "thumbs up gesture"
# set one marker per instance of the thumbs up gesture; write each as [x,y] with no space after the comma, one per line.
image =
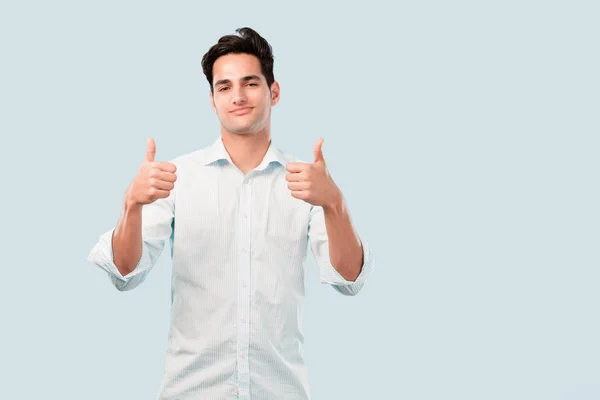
[154,181]
[312,182]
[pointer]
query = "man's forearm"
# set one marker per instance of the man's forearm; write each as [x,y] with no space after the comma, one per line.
[127,238]
[345,248]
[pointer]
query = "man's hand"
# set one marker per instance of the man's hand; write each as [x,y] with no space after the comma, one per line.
[312,182]
[154,181]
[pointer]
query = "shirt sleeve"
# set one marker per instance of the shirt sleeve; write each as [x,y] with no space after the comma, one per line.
[319,244]
[157,228]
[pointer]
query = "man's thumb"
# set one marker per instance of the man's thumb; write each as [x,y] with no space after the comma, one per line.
[150,149]
[317,150]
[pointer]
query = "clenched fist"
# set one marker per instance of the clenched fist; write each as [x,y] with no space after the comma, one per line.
[154,181]
[312,182]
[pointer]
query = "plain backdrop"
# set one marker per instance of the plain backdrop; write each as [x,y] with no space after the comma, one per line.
[465,138]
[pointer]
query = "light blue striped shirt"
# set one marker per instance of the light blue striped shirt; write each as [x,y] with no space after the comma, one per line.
[238,247]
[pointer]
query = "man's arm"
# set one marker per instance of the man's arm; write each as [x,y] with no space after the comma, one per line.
[344,259]
[130,250]
[345,248]
[127,238]
[321,248]
[154,181]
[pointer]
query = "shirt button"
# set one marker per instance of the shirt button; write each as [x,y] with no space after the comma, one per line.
[243,284]
[242,355]
[244,250]
[244,320]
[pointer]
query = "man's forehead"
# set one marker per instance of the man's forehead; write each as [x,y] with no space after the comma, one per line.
[236,66]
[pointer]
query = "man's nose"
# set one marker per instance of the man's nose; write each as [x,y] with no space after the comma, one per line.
[239,96]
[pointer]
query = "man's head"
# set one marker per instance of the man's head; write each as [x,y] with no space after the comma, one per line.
[239,69]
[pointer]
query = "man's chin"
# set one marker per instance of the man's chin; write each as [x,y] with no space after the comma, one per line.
[242,130]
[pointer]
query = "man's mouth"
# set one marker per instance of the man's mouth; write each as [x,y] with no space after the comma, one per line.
[241,110]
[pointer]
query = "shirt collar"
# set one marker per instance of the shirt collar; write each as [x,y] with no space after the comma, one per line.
[217,152]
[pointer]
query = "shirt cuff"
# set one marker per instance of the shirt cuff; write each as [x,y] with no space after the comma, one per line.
[332,277]
[102,256]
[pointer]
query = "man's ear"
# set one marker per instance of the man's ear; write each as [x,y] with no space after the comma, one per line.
[212,101]
[275,93]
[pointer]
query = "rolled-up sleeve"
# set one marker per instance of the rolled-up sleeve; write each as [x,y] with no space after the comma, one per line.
[157,228]
[319,244]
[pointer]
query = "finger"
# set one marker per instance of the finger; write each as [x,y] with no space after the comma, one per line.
[295,177]
[164,166]
[297,166]
[162,185]
[163,176]
[150,149]
[300,194]
[318,152]
[294,186]
[159,193]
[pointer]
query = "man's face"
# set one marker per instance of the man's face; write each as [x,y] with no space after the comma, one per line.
[241,97]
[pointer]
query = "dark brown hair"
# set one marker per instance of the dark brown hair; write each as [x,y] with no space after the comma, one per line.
[247,41]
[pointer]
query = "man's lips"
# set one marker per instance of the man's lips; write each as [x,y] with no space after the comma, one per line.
[241,110]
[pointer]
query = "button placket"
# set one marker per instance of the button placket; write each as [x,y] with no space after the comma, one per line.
[243,306]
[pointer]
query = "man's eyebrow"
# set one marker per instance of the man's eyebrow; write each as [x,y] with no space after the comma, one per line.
[244,79]
[250,78]
[222,82]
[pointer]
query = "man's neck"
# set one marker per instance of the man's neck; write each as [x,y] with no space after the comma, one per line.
[246,150]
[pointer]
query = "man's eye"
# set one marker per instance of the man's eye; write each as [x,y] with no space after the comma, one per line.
[252,84]
[223,89]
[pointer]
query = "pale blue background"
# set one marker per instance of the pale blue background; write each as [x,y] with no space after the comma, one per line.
[464,134]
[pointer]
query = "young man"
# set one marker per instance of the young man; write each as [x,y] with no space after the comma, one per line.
[239,216]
